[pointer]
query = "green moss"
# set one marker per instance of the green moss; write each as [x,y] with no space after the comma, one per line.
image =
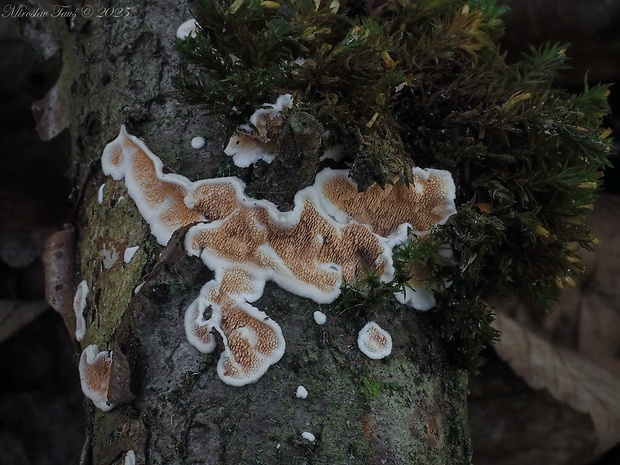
[111,281]
[370,388]
[425,83]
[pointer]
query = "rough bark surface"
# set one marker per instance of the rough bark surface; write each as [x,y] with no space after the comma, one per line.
[407,409]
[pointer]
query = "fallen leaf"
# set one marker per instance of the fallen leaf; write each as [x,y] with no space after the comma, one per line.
[573,352]
[15,314]
[51,112]
[567,375]
[59,261]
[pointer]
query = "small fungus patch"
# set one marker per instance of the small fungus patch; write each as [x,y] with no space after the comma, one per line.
[95,368]
[187,29]
[130,252]
[301,392]
[308,436]
[130,458]
[259,139]
[319,318]
[79,305]
[100,194]
[374,341]
[198,142]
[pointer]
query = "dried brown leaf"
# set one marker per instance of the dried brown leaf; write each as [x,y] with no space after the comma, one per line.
[15,314]
[567,375]
[51,112]
[59,261]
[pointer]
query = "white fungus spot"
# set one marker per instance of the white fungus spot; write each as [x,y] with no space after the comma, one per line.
[130,458]
[129,253]
[320,318]
[79,305]
[374,341]
[301,392]
[138,287]
[309,436]
[198,142]
[187,29]
[100,194]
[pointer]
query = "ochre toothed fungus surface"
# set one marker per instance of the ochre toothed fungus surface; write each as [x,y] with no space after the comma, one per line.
[374,341]
[259,139]
[95,370]
[334,234]
[410,84]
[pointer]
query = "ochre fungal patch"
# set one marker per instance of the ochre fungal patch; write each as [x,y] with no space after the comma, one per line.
[333,234]
[258,140]
[374,341]
[384,210]
[95,369]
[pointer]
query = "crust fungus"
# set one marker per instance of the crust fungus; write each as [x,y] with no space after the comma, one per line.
[100,194]
[431,192]
[334,234]
[95,369]
[130,252]
[308,436]
[301,392]
[130,458]
[105,377]
[198,143]
[79,305]
[187,29]
[374,341]
[252,341]
[319,318]
[257,140]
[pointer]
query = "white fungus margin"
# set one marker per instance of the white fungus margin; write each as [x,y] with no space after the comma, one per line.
[79,305]
[374,341]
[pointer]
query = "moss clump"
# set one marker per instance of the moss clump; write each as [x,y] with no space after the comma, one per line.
[425,83]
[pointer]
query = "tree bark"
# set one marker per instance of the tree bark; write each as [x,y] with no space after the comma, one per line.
[409,408]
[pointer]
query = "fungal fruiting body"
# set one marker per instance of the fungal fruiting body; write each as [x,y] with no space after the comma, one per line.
[198,142]
[308,436]
[301,392]
[95,369]
[374,341]
[187,29]
[319,317]
[258,140]
[334,234]
[130,252]
[79,305]
[100,194]
[130,458]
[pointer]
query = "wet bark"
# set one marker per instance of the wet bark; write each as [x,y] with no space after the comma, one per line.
[408,408]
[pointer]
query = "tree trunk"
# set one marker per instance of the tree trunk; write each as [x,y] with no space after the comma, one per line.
[409,408]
